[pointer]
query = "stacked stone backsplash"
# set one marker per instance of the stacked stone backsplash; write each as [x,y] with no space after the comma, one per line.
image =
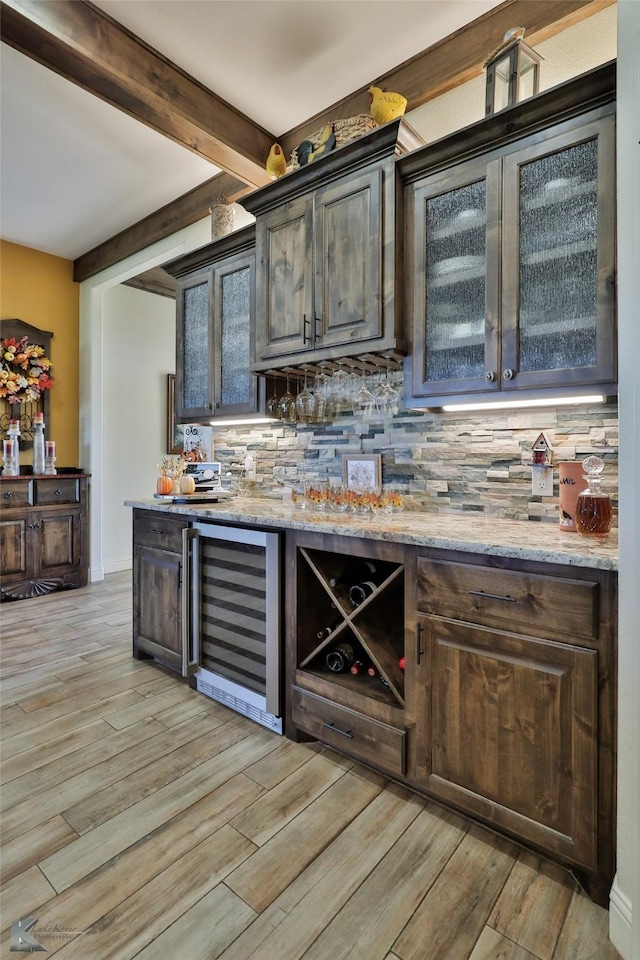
[442,462]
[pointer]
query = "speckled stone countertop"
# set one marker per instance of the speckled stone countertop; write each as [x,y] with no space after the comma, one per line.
[525,540]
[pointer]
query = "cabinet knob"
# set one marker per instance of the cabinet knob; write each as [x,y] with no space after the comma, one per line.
[8,495]
[58,493]
[489,376]
[508,374]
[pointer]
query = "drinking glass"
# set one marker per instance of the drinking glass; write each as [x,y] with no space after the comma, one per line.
[272,407]
[305,403]
[287,405]
[363,402]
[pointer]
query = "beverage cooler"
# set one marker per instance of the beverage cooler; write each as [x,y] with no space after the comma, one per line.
[231,619]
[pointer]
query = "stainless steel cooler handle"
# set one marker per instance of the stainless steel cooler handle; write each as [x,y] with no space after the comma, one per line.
[190,606]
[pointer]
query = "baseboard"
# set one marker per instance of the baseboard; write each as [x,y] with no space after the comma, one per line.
[620,928]
[96,574]
[116,566]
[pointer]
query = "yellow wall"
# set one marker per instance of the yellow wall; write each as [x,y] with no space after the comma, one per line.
[39,289]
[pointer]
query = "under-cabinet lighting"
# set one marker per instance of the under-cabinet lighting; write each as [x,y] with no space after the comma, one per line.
[507,404]
[250,421]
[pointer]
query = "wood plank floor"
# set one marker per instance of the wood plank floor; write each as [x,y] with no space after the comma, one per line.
[140,819]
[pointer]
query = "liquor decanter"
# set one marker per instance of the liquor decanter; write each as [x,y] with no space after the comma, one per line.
[593,509]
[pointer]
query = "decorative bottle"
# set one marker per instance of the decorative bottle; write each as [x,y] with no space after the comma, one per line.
[14,434]
[38,444]
[593,508]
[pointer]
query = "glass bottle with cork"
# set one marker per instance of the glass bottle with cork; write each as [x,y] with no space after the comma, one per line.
[593,507]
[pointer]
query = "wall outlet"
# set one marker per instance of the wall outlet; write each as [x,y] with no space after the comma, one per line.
[541,481]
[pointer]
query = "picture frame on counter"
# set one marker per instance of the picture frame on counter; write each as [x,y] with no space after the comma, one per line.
[362,472]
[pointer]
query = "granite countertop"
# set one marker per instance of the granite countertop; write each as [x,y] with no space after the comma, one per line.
[525,540]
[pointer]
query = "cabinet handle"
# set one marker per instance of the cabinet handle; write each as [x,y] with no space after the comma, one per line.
[305,323]
[489,376]
[492,596]
[419,650]
[343,733]
[508,374]
[318,329]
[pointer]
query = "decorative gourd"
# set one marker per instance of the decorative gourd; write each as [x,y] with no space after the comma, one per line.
[187,484]
[164,485]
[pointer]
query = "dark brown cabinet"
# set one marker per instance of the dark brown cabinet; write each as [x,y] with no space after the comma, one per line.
[43,535]
[359,713]
[158,565]
[514,703]
[503,706]
[512,254]
[327,241]
[215,320]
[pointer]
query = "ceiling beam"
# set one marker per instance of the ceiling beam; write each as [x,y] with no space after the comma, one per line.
[174,216]
[451,61]
[84,45]
[455,59]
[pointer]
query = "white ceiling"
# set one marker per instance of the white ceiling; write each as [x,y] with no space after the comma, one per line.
[74,171]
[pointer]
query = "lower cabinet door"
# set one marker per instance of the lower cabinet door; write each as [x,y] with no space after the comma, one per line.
[58,543]
[361,737]
[13,547]
[157,618]
[506,731]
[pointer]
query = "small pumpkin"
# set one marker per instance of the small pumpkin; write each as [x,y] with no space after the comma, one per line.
[164,485]
[187,484]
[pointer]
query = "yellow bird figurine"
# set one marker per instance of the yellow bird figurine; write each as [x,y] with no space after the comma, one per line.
[276,164]
[327,143]
[386,106]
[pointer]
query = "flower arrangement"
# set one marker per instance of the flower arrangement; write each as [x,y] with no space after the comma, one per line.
[24,370]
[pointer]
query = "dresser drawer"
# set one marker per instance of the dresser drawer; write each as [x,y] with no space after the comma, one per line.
[16,493]
[541,606]
[359,736]
[57,490]
[155,530]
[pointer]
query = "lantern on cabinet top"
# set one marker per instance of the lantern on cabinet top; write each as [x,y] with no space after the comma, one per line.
[513,72]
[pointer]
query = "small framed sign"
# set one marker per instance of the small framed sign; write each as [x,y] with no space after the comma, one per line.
[362,472]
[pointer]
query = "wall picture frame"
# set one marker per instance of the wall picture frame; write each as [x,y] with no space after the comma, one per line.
[362,472]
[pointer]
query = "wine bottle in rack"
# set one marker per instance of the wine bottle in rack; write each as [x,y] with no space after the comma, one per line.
[358,592]
[328,630]
[340,658]
[354,573]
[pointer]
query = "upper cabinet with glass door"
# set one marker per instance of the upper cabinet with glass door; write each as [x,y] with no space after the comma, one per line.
[215,315]
[511,260]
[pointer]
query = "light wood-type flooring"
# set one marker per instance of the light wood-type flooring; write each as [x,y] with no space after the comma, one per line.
[140,819]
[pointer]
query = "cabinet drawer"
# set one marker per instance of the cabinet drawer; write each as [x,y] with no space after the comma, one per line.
[540,606]
[154,530]
[57,490]
[16,493]
[359,736]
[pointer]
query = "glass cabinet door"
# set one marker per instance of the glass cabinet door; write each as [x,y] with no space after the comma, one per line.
[234,285]
[194,367]
[455,305]
[558,289]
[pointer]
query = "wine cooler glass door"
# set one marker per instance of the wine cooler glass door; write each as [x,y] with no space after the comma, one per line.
[239,620]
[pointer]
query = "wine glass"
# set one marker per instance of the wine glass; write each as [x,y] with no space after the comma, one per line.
[271,408]
[305,402]
[287,405]
[363,403]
